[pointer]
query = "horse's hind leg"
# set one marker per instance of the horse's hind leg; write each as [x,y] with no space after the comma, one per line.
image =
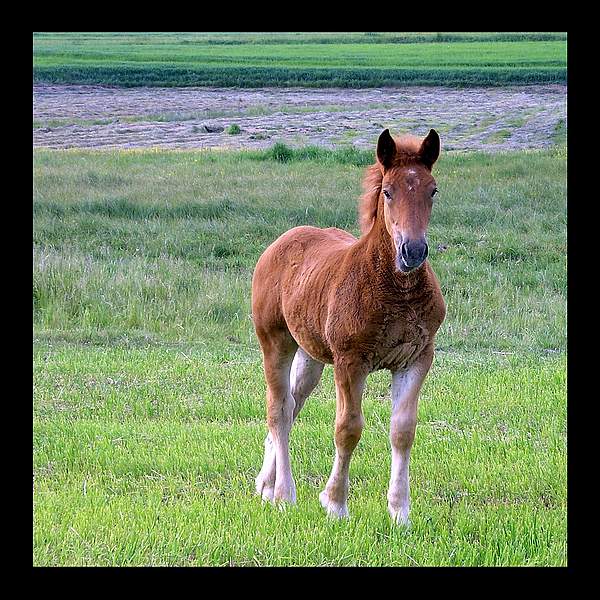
[305,374]
[265,480]
[275,481]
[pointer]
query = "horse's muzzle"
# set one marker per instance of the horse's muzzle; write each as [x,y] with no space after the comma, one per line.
[412,254]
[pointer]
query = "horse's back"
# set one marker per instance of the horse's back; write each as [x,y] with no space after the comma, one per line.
[309,238]
[301,245]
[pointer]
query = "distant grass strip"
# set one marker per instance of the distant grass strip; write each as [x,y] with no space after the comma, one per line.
[250,77]
[175,61]
[275,38]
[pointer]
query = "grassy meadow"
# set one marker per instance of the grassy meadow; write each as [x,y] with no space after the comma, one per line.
[149,410]
[309,59]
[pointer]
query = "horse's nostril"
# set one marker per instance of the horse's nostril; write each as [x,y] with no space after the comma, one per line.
[413,253]
[404,250]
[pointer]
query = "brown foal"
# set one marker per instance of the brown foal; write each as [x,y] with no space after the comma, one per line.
[322,296]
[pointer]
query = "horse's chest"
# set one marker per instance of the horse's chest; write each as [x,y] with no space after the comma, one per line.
[399,343]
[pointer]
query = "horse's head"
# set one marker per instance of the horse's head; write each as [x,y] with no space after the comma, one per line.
[408,189]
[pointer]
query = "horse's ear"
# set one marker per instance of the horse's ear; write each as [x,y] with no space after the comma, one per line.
[430,148]
[386,148]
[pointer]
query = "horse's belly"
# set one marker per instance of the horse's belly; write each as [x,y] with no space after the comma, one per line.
[315,347]
[307,334]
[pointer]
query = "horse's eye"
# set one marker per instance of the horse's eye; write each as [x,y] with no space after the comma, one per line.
[435,191]
[387,195]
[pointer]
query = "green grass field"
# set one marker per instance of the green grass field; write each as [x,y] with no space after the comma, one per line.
[314,60]
[149,410]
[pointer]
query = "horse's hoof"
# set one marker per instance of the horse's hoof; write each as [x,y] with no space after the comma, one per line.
[268,494]
[334,509]
[285,495]
[399,516]
[264,489]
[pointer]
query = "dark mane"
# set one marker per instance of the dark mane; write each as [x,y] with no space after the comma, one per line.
[407,151]
[367,209]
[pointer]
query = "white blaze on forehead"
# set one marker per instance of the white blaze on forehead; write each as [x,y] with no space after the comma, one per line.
[413,180]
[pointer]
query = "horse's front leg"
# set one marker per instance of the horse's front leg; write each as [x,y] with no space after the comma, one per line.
[349,385]
[406,385]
